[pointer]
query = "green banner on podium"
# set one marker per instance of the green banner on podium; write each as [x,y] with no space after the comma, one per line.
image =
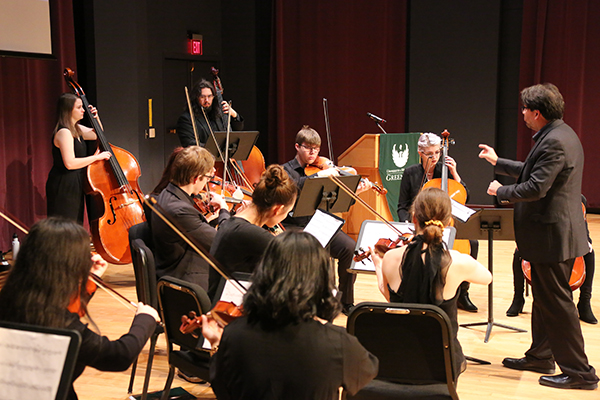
[397,151]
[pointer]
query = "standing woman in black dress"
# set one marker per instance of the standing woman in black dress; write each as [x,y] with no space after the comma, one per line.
[53,264]
[64,187]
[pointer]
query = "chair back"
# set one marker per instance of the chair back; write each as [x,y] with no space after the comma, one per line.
[176,298]
[412,341]
[144,267]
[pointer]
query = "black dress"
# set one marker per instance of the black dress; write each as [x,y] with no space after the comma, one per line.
[64,187]
[239,246]
[308,360]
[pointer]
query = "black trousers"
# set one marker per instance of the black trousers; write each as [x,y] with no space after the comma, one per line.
[555,328]
[341,248]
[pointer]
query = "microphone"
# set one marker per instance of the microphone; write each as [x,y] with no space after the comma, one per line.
[376,118]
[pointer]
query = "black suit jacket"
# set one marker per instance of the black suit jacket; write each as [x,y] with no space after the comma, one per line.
[549,224]
[174,257]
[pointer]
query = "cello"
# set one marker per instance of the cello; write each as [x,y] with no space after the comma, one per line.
[115,192]
[455,190]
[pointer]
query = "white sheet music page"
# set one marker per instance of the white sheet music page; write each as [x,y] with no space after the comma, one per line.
[323,226]
[31,364]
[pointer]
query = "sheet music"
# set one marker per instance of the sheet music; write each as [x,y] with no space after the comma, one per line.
[31,364]
[323,226]
[461,212]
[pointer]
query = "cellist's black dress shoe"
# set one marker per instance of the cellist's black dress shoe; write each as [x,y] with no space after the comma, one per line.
[464,303]
[522,364]
[564,381]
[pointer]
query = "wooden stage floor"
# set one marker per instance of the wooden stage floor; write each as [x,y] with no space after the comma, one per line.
[477,382]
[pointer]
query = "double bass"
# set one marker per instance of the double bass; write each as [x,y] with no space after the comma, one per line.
[116,195]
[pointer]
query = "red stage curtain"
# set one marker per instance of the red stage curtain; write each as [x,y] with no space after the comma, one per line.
[560,45]
[353,53]
[29,90]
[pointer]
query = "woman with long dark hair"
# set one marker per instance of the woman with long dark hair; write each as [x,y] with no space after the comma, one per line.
[285,347]
[64,187]
[53,265]
[425,271]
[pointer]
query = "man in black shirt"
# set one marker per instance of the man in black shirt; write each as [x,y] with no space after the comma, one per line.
[341,247]
[202,98]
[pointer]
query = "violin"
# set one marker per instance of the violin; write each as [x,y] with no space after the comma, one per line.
[322,163]
[222,313]
[382,246]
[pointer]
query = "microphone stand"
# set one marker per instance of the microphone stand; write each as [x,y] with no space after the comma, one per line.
[383,130]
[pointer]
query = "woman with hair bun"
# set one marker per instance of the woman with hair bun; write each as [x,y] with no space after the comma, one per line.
[425,271]
[241,240]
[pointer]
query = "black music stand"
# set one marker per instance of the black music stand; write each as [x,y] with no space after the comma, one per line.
[323,193]
[240,144]
[481,226]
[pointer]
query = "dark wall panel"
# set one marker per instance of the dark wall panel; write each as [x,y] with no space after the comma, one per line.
[453,76]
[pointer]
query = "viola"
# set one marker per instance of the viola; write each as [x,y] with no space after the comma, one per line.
[115,191]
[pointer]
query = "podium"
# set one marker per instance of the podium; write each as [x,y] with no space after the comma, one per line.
[365,156]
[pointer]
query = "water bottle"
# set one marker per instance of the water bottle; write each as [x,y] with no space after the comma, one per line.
[15,247]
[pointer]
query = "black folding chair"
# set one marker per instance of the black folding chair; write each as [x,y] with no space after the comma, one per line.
[140,239]
[177,298]
[414,345]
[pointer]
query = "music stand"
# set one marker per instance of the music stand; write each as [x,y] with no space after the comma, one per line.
[240,144]
[37,362]
[323,193]
[485,224]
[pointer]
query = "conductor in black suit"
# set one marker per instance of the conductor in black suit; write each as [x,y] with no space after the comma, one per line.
[550,234]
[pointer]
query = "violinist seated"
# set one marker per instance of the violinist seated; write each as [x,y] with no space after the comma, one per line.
[341,247]
[242,239]
[191,169]
[416,176]
[53,262]
[203,99]
[285,346]
[426,272]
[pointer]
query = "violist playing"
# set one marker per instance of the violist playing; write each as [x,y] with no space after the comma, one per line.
[285,346]
[64,187]
[53,263]
[341,247]
[415,176]
[241,240]
[425,271]
[190,171]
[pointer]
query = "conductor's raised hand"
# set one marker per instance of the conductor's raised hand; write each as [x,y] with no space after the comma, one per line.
[488,153]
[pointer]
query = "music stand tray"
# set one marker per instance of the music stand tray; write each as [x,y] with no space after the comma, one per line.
[489,223]
[323,193]
[240,144]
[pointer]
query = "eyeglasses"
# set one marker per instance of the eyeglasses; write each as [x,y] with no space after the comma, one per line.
[210,177]
[433,153]
[314,149]
[210,96]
